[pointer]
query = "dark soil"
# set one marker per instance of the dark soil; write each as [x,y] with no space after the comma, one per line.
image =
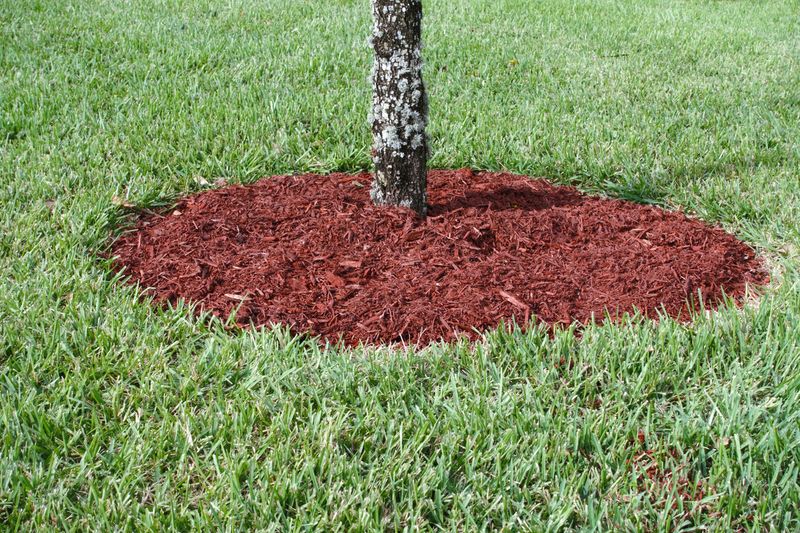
[314,253]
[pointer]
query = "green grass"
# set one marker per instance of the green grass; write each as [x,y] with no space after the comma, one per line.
[118,416]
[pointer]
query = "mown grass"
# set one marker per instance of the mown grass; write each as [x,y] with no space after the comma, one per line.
[118,416]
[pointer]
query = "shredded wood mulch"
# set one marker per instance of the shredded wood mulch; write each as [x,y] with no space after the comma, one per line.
[313,252]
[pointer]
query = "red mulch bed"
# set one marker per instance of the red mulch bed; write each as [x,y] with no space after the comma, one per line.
[313,252]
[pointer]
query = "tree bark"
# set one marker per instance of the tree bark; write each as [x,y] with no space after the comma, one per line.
[399,106]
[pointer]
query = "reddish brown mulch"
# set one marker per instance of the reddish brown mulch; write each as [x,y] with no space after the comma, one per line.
[313,252]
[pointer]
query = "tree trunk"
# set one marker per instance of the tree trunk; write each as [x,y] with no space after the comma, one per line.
[399,106]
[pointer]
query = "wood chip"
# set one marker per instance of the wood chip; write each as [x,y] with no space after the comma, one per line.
[513,300]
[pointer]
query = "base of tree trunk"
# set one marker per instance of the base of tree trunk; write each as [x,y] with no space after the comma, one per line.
[313,252]
[414,197]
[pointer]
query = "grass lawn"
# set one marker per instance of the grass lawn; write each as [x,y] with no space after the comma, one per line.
[116,415]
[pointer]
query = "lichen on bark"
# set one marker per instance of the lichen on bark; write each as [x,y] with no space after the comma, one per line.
[399,112]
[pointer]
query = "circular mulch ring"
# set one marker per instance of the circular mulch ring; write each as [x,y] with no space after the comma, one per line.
[313,252]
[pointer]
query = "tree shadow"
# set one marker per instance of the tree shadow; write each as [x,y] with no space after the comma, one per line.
[509,197]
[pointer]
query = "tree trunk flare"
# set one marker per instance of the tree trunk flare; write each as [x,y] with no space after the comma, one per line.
[399,106]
